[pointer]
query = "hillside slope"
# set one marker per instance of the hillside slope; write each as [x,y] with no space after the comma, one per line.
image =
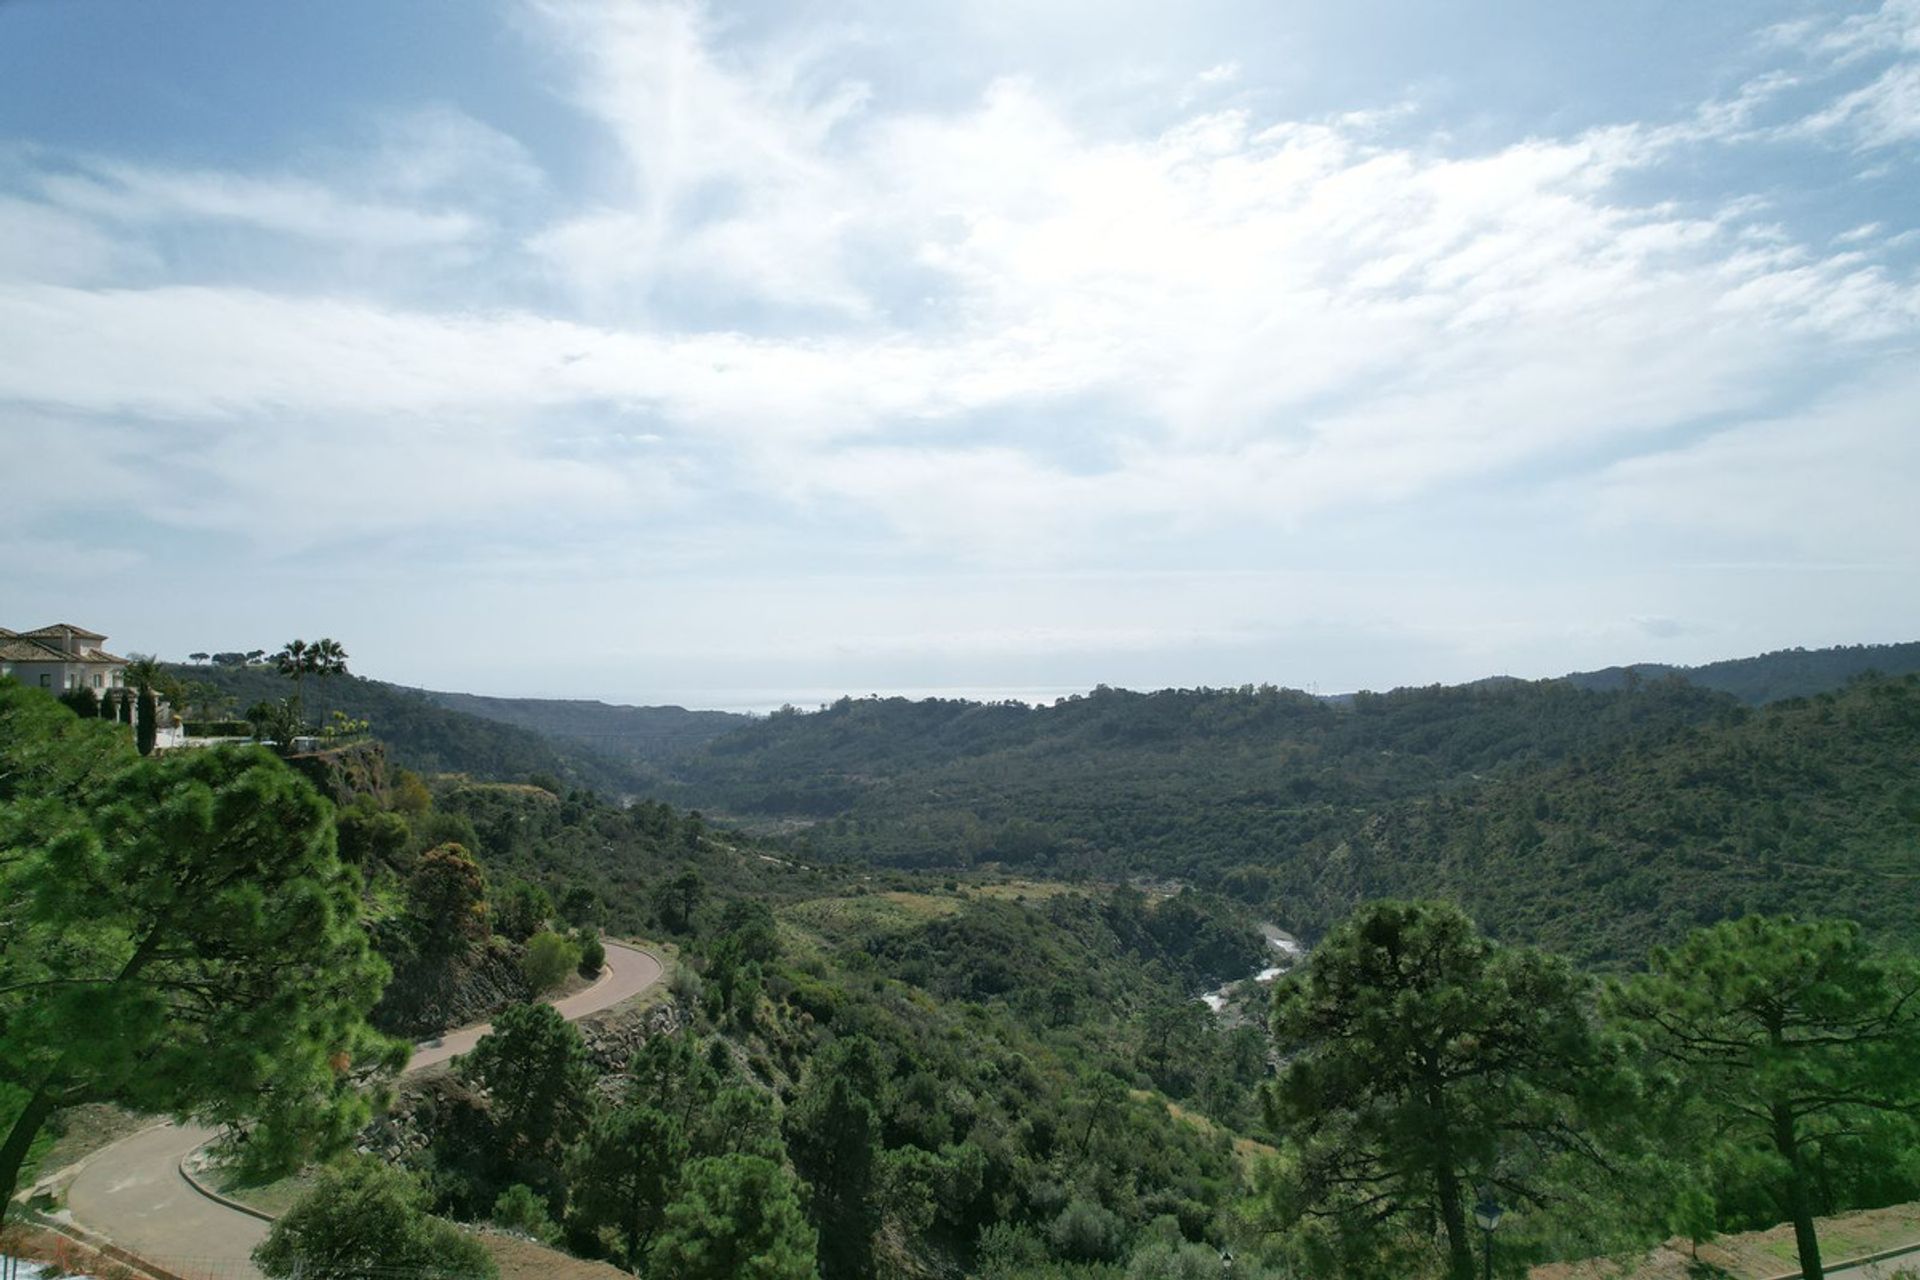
[1598,822]
[423,735]
[630,733]
[1808,806]
[1770,677]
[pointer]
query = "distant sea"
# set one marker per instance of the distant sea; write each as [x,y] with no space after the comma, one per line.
[763,701]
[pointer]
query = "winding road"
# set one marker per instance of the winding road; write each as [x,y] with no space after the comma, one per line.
[134,1194]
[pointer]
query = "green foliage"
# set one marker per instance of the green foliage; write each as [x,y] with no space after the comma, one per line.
[549,960]
[1770,677]
[366,1217]
[371,837]
[82,702]
[679,898]
[536,1075]
[833,1133]
[622,1173]
[1795,1041]
[737,1217]
[521,1211]
[277,721]
[181,937]
[1087,1232]
[628,733]
[593,953]
[147,725]
[447,901]
[1592,822]
[520,910]
[423,735]
[1172,1260]
[1422,1060]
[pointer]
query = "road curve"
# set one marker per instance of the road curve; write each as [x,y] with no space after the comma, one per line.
[133,1193]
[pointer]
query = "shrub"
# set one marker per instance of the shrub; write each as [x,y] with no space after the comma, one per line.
[521,1211]
[548,961]
[685,985]
[593,953]
[1085,1232]
[365,1216]
[218,728]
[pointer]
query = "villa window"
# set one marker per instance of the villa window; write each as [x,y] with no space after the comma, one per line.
[96,681]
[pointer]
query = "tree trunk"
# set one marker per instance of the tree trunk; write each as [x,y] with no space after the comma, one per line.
[1453,1216]
[13,1154]
[1799,1205]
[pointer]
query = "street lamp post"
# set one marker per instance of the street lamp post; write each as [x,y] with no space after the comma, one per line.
[1486,1215]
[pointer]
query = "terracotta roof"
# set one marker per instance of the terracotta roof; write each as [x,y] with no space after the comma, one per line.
[62,628]
[18,648]
[14,648]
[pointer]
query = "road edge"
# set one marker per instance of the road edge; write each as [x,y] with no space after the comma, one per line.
[606,975]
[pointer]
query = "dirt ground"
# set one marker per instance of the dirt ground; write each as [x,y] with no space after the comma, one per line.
[1755,1255]
[520,1259]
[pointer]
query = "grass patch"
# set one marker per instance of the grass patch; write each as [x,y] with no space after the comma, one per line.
[274,1197]
[870,914]
[1025,890]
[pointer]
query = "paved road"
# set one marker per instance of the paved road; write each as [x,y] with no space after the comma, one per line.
[133,1193]
[1885,1269]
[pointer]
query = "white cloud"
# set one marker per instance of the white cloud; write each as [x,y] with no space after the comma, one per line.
[726,182]
[1829,482]
[1031,338]
[39,243]
[1880,114]
[284,205]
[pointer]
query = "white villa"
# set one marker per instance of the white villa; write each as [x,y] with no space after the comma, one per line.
[60,658]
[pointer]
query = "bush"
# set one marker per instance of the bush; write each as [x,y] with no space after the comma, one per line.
[549,959]
[1163,1261]
[685,985]
[366,1217]
[593,953]
[522,1212]
[1085,1232]
[218,728]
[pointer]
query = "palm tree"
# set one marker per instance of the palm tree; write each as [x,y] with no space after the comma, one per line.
[328,658]
[295,661]
[324,658]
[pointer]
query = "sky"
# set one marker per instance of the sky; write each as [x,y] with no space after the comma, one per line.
[733,354]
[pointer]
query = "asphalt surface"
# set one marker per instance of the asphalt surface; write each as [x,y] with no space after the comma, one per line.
[133,1192]
[1885,1269]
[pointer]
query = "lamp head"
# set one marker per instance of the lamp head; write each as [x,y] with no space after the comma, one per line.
[1487,1213]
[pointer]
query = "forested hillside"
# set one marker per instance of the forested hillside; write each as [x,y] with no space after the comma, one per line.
[1809,806]
[1769,677]
[1598,821]
[629,733]
[1269,746]
[421,734]
[887,1071]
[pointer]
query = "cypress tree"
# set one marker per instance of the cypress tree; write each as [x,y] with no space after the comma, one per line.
[147,728]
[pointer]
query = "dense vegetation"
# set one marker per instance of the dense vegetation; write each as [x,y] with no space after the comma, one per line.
[179,936]
[421,733]
[942,1019]
[1808,806]
[627,733]
[1770,677]
[1595,822]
